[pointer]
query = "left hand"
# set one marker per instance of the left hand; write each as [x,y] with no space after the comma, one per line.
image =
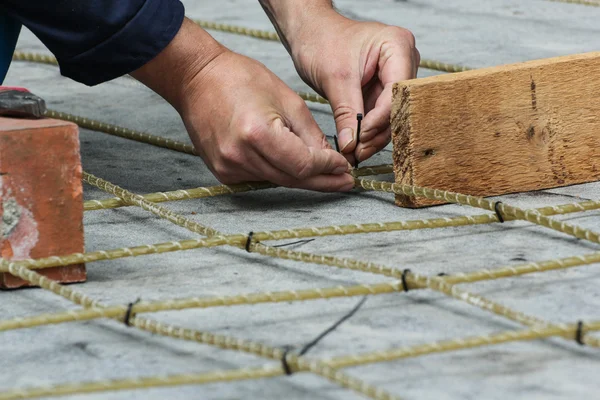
[354,65]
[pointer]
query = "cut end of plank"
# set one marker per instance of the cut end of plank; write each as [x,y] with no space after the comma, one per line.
[507,129]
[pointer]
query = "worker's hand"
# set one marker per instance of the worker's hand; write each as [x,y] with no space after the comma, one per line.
[354,65]
[248,125]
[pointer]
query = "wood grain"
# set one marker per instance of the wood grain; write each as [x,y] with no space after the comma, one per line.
[513,128]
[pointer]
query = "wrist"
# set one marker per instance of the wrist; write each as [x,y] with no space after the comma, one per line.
[295,20]
[190,52]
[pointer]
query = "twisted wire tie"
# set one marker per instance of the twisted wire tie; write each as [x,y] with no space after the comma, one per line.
[497,210]
[579,333]
[249,241]
[129,313]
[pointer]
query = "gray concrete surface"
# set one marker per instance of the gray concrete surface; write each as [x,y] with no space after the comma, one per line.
[459,31]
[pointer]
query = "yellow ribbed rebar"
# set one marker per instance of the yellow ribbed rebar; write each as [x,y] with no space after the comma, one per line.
[589,3]
[157,327]
[171,331]
[115,130]
[148,206]
[178,195]
[302,295]
[329,369]
[540,332]
[38,58]
[269,371]
[272,36]
[218,190]
[508,212]
[238,240]
[412,281]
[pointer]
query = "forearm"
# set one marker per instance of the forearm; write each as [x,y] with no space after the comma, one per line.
[291,17]
[183,60]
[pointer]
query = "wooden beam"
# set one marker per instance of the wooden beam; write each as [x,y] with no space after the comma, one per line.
[513,128]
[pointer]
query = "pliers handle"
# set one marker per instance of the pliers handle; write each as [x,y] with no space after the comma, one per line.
[19,102]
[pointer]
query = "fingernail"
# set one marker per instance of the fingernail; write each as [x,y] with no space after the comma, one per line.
[345,137]
[340,170]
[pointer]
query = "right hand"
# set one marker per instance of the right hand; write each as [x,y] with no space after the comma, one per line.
[248,125]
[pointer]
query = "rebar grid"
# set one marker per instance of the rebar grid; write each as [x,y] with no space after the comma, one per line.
[410,281]
[328,368]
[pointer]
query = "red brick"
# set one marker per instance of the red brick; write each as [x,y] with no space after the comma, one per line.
[41,197]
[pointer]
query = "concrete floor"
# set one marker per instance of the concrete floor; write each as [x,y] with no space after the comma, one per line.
[459,31]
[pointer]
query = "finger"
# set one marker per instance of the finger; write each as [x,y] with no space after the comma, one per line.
[322,183]
[378,119]
[227,166]
[344,92]
[303,124]
[417,63]
[287,152]
[328,183]
[397,63]
[365,150]
[350,157]
[371,94]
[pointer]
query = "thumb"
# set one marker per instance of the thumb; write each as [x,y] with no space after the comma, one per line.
[303,124]
[346,100]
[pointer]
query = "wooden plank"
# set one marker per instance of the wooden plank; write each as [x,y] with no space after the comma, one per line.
[513,128]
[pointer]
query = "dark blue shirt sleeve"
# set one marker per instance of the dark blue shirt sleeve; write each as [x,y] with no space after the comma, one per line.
[99,40]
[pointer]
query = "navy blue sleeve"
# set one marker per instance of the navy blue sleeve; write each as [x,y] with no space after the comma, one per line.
[99,40]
